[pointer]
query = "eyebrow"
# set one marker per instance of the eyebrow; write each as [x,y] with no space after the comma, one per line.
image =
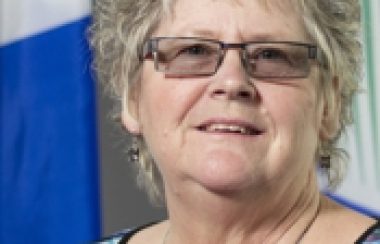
[209,34]
[186,31]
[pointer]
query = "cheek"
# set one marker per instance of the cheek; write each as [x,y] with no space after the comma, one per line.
[294,123]
[163,109]
[293,105]
[164,104]
[297,112]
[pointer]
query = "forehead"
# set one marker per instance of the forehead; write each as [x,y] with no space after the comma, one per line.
[235,19]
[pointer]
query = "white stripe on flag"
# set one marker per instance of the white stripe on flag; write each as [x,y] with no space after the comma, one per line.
[22,18]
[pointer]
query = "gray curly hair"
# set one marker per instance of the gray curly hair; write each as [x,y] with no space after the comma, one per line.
[121,27]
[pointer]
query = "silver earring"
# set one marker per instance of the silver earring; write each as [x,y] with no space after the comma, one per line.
[134,152]
[325,162]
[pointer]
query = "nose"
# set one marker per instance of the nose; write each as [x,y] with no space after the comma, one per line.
[231,80]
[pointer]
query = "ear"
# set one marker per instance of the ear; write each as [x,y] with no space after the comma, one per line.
[129,114]
[330,123]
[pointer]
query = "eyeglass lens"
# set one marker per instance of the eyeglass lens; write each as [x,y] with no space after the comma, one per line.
[191,56]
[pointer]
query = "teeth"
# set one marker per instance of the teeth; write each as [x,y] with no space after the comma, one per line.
[227,128]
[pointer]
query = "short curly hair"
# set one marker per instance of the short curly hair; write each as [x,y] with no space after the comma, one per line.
[121,27]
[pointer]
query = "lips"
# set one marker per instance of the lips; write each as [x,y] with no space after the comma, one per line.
[230,127]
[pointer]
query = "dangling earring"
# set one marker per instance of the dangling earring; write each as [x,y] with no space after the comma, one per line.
[325,166]
[325,162]
[134,151]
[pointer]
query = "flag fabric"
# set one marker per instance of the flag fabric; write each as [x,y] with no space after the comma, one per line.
[49,187]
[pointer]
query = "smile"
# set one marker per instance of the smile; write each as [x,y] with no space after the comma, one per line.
[230,128]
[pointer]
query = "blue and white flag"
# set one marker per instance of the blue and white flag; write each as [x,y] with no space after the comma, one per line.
[49,187]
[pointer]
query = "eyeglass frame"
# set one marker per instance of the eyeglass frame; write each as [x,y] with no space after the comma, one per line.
[150,51]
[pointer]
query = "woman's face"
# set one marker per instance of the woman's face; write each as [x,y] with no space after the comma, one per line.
[191,124]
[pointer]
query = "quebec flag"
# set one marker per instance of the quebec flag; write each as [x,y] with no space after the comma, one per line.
[49,188]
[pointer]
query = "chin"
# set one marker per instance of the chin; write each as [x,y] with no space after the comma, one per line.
[224,175]
[224,188]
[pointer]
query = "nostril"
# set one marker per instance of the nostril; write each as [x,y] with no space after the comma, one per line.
[239,94]
[219,92]
[244,94]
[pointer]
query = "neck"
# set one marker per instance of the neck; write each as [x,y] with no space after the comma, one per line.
[278,215]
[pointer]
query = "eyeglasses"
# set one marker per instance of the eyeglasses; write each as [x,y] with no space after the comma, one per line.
[188,56]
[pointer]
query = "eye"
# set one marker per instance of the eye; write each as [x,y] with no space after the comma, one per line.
[196,50]
[270,54]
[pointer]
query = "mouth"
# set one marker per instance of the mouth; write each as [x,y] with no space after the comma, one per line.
[238,128]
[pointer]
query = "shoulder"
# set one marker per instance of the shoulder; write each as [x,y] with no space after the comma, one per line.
[371,235]
[342,224]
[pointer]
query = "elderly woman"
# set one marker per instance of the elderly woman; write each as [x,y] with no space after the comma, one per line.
[233,105]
